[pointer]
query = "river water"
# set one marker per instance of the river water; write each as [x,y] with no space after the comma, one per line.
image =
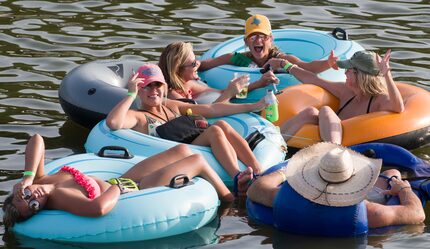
[40,41]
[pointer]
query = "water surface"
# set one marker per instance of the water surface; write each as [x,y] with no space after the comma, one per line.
[43,40]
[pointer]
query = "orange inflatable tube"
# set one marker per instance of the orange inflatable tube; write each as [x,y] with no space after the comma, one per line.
[408,129]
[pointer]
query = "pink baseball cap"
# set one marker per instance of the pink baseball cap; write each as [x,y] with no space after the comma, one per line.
[150,73]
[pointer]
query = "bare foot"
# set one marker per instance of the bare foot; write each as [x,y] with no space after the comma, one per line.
[243,181]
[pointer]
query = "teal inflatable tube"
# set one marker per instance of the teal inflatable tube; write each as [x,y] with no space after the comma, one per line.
[142,215]
[269,150]
[308,45]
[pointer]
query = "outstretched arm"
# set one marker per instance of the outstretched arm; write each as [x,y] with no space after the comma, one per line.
[217,109]
[395,100]
[214,62]
[120,117]
[410,210]
[316,66]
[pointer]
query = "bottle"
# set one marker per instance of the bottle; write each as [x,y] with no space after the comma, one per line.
[272,109]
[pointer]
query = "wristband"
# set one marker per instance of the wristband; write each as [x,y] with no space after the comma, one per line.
[288,66]
[28,173]
[133,95]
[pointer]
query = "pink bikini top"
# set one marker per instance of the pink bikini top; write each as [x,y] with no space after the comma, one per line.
[88,183]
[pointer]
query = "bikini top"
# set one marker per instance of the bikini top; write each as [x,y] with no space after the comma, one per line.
[154,123]
[349,101]
[89,184]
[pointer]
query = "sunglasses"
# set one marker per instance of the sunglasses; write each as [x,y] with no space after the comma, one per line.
[258,36]
[34,205]
[155,84]
[193,64]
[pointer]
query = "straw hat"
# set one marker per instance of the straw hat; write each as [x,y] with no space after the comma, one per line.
[332,175]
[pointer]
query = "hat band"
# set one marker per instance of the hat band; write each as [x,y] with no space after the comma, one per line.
[331,182]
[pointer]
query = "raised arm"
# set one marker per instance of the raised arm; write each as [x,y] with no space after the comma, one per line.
[214,62]
[410,210]
[34,164]
[395,100]
[120,117]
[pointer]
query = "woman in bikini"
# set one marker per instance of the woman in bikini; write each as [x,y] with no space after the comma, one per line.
[72,191]
[369,87]
[149,84]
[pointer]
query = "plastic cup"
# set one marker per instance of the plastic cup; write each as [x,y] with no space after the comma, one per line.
[244,91]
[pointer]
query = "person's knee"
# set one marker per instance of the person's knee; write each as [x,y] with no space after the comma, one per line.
[182,149]
[311,111]
[326,111]
[223,125]
[216,132]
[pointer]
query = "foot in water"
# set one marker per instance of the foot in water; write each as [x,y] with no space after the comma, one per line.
[243,180]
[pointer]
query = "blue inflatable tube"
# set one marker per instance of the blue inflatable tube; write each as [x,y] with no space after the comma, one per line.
[308,45]
[321,222]
[269,150]
[141,215]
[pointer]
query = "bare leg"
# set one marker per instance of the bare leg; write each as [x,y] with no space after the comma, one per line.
[306,116]
[223,151]
[193,165]
[158,161]
[244,153]
[330,125]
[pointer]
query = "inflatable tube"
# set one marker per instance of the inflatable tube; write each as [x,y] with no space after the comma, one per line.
[203,236]
[308,45]
[90,91]
[298,218]
[408,129]
[268,151]
[142,215]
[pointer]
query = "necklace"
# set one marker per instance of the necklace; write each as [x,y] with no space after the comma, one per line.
[158,116]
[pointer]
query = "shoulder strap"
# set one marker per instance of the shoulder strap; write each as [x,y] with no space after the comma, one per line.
[347,102]
[158,115]
[370,102]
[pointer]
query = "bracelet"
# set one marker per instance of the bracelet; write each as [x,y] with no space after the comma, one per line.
[133,95]
[282,174]
[405,187]
[28,173]
[287,66]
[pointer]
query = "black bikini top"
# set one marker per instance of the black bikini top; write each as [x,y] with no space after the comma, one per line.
[349,100]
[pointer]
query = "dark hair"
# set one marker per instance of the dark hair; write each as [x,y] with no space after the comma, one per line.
[11,215]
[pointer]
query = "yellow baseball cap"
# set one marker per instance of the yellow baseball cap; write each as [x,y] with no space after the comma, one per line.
[257,23]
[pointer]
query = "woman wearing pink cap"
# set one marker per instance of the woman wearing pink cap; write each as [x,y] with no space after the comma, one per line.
[259,40]
[149,84]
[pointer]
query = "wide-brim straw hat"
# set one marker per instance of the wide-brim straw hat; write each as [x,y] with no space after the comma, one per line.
[332,175]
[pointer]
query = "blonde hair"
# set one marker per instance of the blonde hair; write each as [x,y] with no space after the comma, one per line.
[11,215]
[370,84]
[172,59]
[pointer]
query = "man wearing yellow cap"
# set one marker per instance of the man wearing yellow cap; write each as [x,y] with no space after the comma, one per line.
[258,38]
